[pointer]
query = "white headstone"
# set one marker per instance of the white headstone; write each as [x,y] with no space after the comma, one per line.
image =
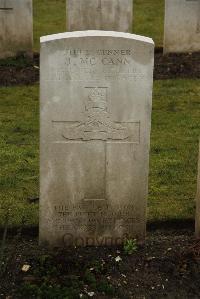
[116,15]
[96,94]
[16,27]
[197,219]
[182,26]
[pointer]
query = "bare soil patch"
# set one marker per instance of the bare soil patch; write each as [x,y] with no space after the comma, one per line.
[172,66]
[167,266]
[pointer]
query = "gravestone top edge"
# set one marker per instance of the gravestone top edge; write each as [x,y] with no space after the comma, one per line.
[95,33]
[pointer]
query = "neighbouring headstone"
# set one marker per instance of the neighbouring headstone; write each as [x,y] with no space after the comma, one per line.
[182,26]
[96,94]
[16,27]
[197,219]
[116,15]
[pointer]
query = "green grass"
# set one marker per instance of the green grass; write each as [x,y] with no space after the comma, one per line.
[149,19]
[173,159]
[19,151]
[50,17]
[174,146]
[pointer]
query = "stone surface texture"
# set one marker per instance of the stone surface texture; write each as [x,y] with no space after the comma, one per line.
[197,220]
[116,15]
[96,97]
[16,27]
[182,26]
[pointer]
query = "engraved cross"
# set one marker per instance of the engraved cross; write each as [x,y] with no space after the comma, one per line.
[97,131]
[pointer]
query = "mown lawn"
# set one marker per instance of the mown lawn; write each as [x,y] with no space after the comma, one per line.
[149,19]
[50,18]
[173,159]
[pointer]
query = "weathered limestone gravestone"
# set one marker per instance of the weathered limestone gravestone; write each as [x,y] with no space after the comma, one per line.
[96,93]
[182,26]
[116,15]
[16,27]
[197,220]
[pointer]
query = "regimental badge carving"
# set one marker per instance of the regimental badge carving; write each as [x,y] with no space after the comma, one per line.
[97,124]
